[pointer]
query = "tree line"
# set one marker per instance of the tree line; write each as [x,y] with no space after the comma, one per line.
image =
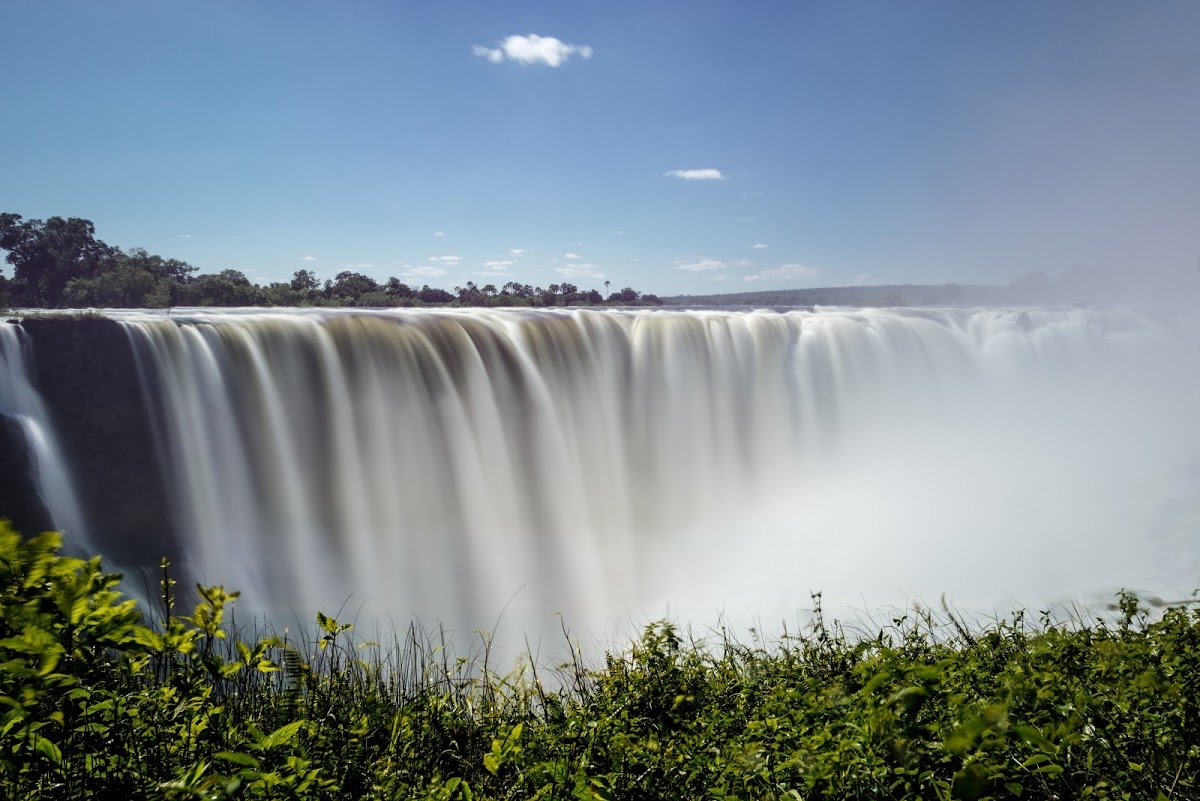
[59,263]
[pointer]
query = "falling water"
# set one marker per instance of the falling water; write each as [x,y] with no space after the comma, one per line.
[458,466]
[21,403]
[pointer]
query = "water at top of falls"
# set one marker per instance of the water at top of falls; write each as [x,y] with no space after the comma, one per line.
[464,466]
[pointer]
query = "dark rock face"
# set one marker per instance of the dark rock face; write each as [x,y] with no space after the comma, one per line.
[85,371]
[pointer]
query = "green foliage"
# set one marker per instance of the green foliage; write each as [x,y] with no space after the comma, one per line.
[60,263]
[99,701]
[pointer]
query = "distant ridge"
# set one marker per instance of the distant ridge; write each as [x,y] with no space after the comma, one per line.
[881,295]
[1172,286]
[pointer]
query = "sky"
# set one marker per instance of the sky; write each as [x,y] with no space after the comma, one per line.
[676,147]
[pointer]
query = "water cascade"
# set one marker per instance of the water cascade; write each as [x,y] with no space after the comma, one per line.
[464,467]
[21,407]
[460,466]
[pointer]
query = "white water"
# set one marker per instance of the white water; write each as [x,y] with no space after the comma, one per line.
[20,401]
[616,466]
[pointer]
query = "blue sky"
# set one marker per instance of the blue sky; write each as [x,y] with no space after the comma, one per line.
[582,141]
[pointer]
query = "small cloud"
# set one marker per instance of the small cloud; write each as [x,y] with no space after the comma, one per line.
[183,236]
[308,258]
[532,49]
[706,174]
[743,263]
[519,251]
[700,265]
[439,234]
[446,261]
[572,256]
[785,272]
[494,55]
[758,246]
[720,277]
[580,271]
[621,232]
[422,272]
[498,265]
[495,274]
[356,266]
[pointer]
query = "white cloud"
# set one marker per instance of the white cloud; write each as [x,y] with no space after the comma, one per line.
[308,258]
[743,263]
[494,55]
[720,277]
[356,266]
[446,261]
[706,174]
[422,272]
[439,233]
[519,251]
[572,256]
[498,265]
[758,246]
[580,271]
[495,274]
[532,49]
[785,272]
[700,265]
[183,236]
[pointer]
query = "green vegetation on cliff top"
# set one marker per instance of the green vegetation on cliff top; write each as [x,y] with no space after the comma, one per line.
[59,263]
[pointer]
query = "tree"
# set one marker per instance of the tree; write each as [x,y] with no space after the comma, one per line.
[349,286]
[305,281]
[227,288]
[47,255]
[432,296]
[123,287]
[626,295]
[398,289]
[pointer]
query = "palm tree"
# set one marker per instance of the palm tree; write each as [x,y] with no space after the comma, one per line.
[606,283]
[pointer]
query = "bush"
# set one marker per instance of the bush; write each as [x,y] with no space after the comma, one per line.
[101,701]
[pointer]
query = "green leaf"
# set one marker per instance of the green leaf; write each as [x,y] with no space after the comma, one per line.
[281,736]
[148,638]
[969,782]
[48,749]
[237,758]
[1035,738]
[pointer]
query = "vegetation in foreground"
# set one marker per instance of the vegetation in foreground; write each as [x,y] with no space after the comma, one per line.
[99,701]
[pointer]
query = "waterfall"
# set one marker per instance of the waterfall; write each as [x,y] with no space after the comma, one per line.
[469,466]
[21,404]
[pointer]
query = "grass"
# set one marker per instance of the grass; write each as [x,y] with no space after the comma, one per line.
[99,699]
